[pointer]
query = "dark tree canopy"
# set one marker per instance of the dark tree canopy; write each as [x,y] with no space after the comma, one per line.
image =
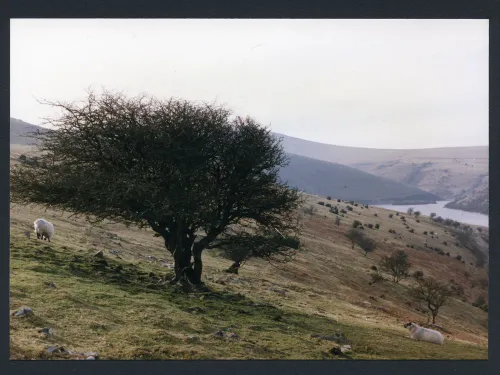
[192,172]
[397,265]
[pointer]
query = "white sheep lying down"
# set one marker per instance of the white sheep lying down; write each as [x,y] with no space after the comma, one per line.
[44,229]
[424,334]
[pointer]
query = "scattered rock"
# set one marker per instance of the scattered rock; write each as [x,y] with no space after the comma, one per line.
[46,330]
[73,355]
[345,349]
[219,334]
[115,252]
[92,354]
[373,298]
[335,351]
[152,257]
[279,291]
[232,335]
[99,254]
[23,311]
[50,284]
[55,349]
[192,339]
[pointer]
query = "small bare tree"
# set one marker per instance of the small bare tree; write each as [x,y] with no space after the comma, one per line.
[337,221]
[409,211]
[397,265]
[431,292]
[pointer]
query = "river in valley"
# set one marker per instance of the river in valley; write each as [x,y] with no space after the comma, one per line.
[473,218]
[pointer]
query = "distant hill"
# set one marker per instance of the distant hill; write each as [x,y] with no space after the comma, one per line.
[18,130]
[445,172]
[317,176]
[346,183]
[475,199]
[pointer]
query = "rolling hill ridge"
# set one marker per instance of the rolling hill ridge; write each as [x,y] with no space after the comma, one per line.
[447,172]
[310,175]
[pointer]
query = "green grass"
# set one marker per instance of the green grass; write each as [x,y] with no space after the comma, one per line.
[128,313]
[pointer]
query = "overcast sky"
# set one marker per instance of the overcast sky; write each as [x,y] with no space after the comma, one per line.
[366,83]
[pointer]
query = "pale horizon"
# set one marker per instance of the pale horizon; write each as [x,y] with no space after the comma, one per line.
[385,84]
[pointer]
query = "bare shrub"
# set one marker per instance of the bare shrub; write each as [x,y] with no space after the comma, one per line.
[397,265]
[431,292]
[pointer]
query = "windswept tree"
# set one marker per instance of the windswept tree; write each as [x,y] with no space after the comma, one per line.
[397,265]
[417,214]
[431,292]
[192,172]
[409,211]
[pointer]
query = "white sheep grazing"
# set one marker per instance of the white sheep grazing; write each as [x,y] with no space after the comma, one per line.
[424,334]
[43,229]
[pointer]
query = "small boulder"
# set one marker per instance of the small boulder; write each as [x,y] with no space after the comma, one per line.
[192,339]
[55,349]
[23,311]
[219,334]
[99,254]
[279,291]
[46,330]
[335,351]
[345,349]
[94,355]
[50,284]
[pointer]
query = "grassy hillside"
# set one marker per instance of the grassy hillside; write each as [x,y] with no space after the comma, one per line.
[331,179]
[121,309]
[442,171]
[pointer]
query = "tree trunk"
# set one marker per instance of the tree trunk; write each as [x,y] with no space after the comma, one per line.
[187,270]
[197,267]
[434,312]
[434,317]
[234,268]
